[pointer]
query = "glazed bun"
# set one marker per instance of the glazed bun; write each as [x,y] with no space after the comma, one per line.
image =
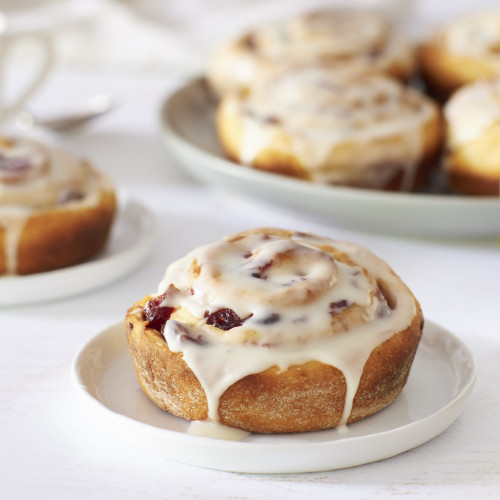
[55,210]
[346,36]
[462,51]
[472,159]
[342,127]
[275,331]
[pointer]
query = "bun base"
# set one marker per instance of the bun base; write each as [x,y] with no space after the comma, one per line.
[474,168]
[61,237]
[445,72]
[304,397]
[277,157]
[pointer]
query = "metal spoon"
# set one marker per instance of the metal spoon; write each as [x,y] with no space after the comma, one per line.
[90,109]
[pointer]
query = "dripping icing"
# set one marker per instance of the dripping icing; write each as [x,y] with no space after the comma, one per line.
[224,357]
[320,111]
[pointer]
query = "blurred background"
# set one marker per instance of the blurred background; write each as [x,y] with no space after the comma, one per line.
[119,48]
[155,35]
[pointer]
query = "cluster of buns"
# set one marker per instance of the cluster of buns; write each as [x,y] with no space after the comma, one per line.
[325,97]
[55,210]
[461,64]
[275,331]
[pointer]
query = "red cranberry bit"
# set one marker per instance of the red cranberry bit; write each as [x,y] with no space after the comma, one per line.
[156,314]
[270,319]
[149,311]
[161,317]
[224,318]
[336,307]
[185,334]
[260,271]
[199,340]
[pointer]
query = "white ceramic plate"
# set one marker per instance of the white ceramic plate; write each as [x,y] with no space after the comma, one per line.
[441,378]
[132,236]
[188,131]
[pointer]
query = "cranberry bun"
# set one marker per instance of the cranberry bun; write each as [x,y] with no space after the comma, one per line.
[275,331]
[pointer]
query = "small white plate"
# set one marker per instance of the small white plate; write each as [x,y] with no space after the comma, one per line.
[188,131]
[132,236]
[441,378]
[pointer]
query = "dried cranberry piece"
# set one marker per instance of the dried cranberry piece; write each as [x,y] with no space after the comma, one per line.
[260,271]
[269,319]
[224,318]
[336,307]
[185,334]
[149,311]
[156,314]
[199,340]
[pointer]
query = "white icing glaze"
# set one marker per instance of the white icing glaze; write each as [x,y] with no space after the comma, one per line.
[35,178]
[476,35]
[261,276]
[340,35]
[216,430]
[320,111]
[471,110]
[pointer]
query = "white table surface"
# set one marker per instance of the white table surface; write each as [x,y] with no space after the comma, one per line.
[50,447]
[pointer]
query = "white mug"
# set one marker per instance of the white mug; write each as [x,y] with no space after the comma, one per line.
[9,38]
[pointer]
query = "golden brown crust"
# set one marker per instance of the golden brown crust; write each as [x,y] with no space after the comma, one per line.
[302,398]
[62,236]
[444,72]
[474,167]
[163,375]
[3,253]
[469,183]
[229,126]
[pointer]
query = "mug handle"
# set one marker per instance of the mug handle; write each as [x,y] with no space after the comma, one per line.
[45,43]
